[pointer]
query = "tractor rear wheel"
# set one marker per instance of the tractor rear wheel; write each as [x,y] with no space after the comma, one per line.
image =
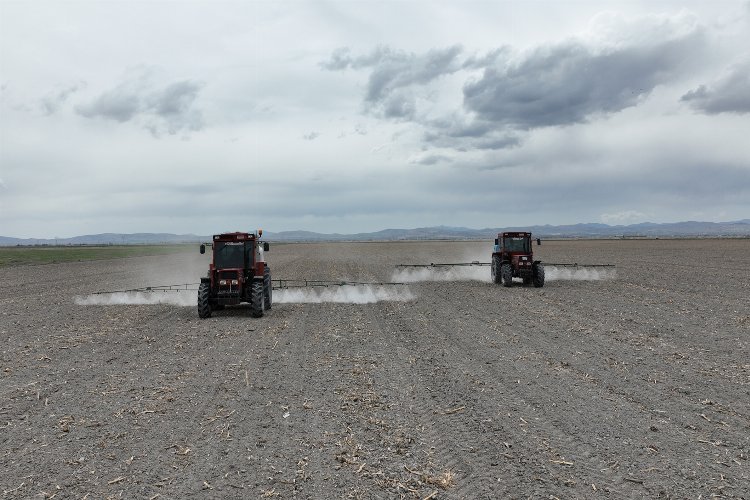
[538,271]
[204,308]
[256,299]
[267,288]
[506,273]
[496,270]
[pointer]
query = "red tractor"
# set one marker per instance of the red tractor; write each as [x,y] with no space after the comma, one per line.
[512,258]
[237,273]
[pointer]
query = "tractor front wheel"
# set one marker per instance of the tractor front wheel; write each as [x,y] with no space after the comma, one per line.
[267,288]
[496,270]
[204,308]
[256,299]
[506,272]
[538,271]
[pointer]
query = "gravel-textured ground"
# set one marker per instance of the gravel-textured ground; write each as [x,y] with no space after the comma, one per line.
[627,388]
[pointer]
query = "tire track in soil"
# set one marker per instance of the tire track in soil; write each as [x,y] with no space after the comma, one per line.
[70,367]
[651,361]
[188,357]
[174,461]
[440,448]
[673,429]
[364,445]
[520,351]
[367,446]
[653,355]
[655,351]
[302,368]
[241,422]
[455,425]
[300,372]
[473,358]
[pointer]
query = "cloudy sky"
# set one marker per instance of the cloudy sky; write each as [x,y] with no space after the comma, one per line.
[353,116]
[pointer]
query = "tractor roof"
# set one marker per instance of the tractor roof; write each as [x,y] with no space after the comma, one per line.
[514,234]
[234,236]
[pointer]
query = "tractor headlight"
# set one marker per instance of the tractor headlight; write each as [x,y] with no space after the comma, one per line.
[222,282]
[235,282]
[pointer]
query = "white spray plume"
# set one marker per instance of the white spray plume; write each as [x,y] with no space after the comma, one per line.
[186,298]
[467,273]
[341,294]
[582,273]
[363,294]
[477,273]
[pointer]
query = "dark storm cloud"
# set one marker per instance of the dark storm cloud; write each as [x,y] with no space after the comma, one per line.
[455,126]
[168,108]
[395,75]
[174,104]
[175,99]
[571,82]
[729,94]
[498,142]
[459,134]
[399,105]
[433,159]
[393,72]
[120,104]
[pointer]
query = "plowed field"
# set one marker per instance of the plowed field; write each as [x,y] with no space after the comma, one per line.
[632,387]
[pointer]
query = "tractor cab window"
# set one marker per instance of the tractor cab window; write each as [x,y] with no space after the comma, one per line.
[516,244]
[250,252]
[228,255]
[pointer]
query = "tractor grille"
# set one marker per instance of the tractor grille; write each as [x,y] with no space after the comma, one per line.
[228,275]
[228,290]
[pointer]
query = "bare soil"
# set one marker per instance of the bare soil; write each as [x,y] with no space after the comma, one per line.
[628,388]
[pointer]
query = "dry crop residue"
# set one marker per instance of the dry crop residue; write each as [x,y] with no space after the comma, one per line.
[629,387]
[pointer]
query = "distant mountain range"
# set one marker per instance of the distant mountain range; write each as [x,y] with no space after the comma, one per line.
[735,229]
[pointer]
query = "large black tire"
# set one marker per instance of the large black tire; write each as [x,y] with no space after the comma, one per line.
[506,273]
[538,279]
[496,270]
[204,307]
[267,288]
[256,299]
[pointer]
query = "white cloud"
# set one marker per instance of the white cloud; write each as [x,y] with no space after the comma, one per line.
[536,112]
[159,107]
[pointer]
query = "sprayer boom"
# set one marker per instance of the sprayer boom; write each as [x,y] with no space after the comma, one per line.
[512,257]
[158,288]
[477,263]
[456,264]
[278,284]
[284,284]
[575,264]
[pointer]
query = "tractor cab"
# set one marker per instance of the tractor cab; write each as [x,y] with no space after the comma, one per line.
[239,251]
[512,257]
[517,243]
[237,273]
